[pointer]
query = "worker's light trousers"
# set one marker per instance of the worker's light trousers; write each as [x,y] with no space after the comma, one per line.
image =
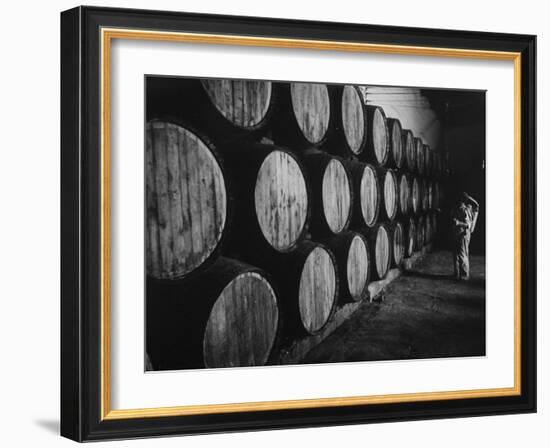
[461,256]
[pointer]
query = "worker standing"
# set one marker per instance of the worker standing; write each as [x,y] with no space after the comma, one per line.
[464,218]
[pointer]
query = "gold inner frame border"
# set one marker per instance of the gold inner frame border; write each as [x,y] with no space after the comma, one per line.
[107,35]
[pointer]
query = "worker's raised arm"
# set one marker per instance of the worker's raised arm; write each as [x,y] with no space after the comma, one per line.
[472,201]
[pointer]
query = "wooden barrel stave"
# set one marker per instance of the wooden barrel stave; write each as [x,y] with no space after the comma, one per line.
[428,160]
[397,244]
[419,149]
[378,141]
[389,193]
[415,195]
[397,151]
[404,194]
[227,316]
[424,195]
[409,149]
[410,245]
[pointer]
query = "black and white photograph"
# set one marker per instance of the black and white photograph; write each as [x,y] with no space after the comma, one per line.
[306,223]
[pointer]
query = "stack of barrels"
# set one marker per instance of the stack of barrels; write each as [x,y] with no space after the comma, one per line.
[268,205]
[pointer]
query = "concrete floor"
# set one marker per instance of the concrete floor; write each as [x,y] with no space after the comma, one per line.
[425,313]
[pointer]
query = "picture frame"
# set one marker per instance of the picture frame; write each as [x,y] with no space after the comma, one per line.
[86,37]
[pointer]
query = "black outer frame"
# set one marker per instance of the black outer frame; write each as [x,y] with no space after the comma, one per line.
[80,223]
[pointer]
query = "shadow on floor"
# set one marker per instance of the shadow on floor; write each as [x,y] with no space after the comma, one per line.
[51,426]
[425,313]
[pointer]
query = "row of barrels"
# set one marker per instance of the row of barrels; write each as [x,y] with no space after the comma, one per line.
[259,196]
[300,116]
[235,314]
[267,205]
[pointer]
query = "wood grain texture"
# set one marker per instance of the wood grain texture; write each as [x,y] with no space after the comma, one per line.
[419,149]
[243,103]
[427,160]
[369,195]
[357,267]
[379,135]
[281,200]
[317,289]
[398,244]
[382,251]
[354,121]
[410,244]
[243,323]
[186,201]
[311,106]
[424,194]
[404,194]
[390,194]
[410,150]
[336,196]
[415,195]
[396,143]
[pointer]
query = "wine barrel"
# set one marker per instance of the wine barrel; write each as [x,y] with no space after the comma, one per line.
[420,232]
[354,120]
[366,193]
[428,160]
[410,149]
[410,242]
[431,195]
[434,218]
[331,192]
[221,108]
[378,140]
[419,148]
[436,193]
[398,244]
[351,250]
[309,281]
[305,115]
[428,233]
[390,194]
[397,152]
[415,195]
[404,194]
[186,201]
[227,316]
[424,194]
[381,250]
[271,199]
